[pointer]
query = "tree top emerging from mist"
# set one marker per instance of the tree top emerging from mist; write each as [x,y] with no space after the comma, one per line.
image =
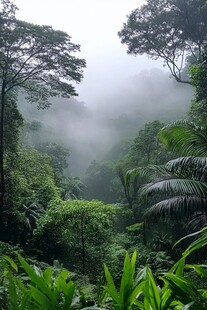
[167,29]
[38,58]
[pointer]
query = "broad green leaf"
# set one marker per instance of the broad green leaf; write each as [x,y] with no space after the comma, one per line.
[38,281]
[110,288]
[136,293]
[151,292]
[11,262]
[199,269]
[43,300]
[69,294]
[27,300]
[180,267]
[182,288]
[13,297]
[47,275]
[127,279]
[166,298]
[196,245]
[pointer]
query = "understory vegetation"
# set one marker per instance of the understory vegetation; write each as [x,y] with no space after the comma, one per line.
[107,239]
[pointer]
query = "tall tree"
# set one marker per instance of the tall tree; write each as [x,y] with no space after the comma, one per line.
[78,233]
[38,59]
[167,29]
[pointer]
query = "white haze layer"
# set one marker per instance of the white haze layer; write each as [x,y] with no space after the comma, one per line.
[91,132]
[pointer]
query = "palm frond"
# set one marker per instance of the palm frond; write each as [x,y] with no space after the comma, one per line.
[136,172]
[184,179]
[175,186]
[31,214]
[150,171]
[176,207]
[193,167]
[199,220]
[185,138]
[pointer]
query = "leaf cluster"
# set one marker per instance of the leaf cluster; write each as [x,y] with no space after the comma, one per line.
[167,29]
[38,58]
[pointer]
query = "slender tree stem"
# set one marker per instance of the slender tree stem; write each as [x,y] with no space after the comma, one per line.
[83,245]
[2,180]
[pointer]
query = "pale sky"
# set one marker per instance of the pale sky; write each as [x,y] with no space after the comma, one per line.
[94,25]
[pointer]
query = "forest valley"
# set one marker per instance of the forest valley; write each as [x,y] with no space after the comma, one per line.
[130,232]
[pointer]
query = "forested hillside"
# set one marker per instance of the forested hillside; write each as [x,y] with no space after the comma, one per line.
[104,207]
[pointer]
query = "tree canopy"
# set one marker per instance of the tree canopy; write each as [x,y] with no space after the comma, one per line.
[37,58]
[167,29]
[78,232]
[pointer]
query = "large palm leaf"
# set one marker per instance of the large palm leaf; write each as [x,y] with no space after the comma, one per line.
[179,207]
[183,193]
[31,214]
[176,189]
[184,167]
[174,186]
[198,220]
[179,187]
[189,167]
[185,138]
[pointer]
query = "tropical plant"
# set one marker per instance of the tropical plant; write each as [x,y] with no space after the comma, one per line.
[126,296]
[186,138]
[130,190]
[31,214]
[49,289]
[27,217]
[140,291]
[179,187]
[174,292]
[54,289]
[73,188]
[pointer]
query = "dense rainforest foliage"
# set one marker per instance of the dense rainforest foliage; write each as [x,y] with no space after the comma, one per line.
[63,236]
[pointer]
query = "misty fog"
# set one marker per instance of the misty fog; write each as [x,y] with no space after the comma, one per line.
[117,94]
[90,131]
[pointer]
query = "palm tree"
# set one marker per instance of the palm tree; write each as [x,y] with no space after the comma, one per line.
[29,215]
[178,188]
[73,188]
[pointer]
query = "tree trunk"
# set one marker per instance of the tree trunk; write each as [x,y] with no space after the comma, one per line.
[83,245]
[2,180]
[126,188]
